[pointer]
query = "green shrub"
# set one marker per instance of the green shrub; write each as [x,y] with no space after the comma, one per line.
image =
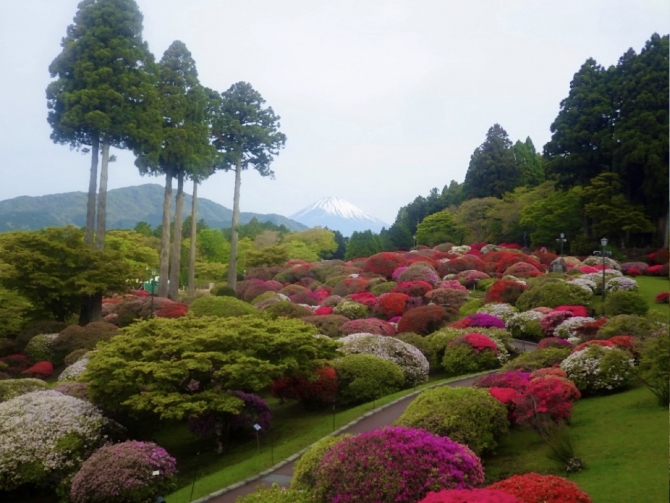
[287,309]
[484,284]
[470,416]
[40,348]
[305,468]
[76,337]
[223,291]
[10,388]
[222,307]
[553,295]
[37,328]
[470,307]
[263,297]
[654,368]
[13,311]
[461,359]
[277,494]
[328,324]
[625,303]
[438,342]
[538,359]
[381,288]
[76,355]
[351,309]
[362,378]
[627,324]
[421,343]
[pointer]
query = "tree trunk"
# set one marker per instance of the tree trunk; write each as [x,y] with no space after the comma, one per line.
[232,265]
[175,266]
[91,309]
[92,188]
[194,231]
[165,237]
[664,228]
[102,196]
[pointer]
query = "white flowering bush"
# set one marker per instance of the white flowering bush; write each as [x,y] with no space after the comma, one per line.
[503,353]
[566,329]
[413,363]
[40,348]
[621,284]
[11,388]
[587,284]
[489,248]
[499,309]
[74,371]
[597,278]
[462,249]
[525,325]
[46,436]
[609,262]
[509,277]
[599,368]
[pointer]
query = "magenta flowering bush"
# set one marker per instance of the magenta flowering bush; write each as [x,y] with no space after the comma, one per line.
[254,411]
[395,464]
[454,284]
[483,320]
[124,472]
[470,496]
[550,321]
[515,379]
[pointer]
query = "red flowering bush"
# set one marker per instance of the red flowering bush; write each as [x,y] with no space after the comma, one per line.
[654,270]
[384,263]
[522,270]
[470,496]
[390,304]
[504,291]
[452,284]
[369,326]
[413,288]
[536,488]
[575,310]
[394,464]
[40,370]
[418,272]
[553,342]
[15,364]
[470,353]
[291,290]
[546,258]
[510,246]
[513,379]
[549,371]
[347,286]
[509,259]
[368,299]
[466,263]
[424,320]
[590,330]
[308,298]
[311,393]
[256,287]
[633,272]
[663,298]
[660,257]
[550,321]
[323,310]
[172,310]
[471,278]
[545,396]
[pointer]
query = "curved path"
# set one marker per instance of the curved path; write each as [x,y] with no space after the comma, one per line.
[282,472]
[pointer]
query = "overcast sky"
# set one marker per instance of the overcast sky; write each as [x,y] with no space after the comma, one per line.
[380,100]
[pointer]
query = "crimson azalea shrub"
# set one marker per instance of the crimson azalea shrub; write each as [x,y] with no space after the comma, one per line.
[504,291]
[553,342]
[384,263]
[536,488]
[394,464]
[522,270]
[368,299]
[425,319]
[590,329]
[328,324]
[41,370]
[663,298]
[654,270]
[368,325]
[546,258]
[128,471]
[347,286]
[507,260]
[413,288]
[173,310]
[469,416]
[364,377]
[465,263]
[470,496]
[545,396]
[514,379]
[469,354]
[322,390]
[660,257]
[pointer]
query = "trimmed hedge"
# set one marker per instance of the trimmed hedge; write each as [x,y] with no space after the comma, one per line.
[363,378]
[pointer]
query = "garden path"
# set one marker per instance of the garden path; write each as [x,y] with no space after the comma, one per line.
[384,416]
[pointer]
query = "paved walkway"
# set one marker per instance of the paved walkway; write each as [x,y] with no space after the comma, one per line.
[383,416]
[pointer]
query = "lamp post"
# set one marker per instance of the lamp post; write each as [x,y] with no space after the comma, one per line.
[603,244]
[561,240]
[153,290]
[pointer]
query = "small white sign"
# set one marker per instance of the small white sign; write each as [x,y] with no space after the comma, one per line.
[257,427]
[155,473]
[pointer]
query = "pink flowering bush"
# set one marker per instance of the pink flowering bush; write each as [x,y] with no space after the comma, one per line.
[418,272]
[124,472]
[394,464]
[368,325]
[470,496]
[483,320]
[550,321]
[469,354]
[553,342]
[413,288]
[368,299]
[575,310]
[514,379]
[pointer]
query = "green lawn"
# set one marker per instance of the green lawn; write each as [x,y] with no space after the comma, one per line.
[650,287]
[623,439]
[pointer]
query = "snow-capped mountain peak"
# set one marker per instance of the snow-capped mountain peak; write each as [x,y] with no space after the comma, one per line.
[337,214]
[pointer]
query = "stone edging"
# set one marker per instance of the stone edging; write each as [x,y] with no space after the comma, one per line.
[295,456]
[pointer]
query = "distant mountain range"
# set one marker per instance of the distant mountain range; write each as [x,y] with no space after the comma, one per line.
[125,208]
[338,214]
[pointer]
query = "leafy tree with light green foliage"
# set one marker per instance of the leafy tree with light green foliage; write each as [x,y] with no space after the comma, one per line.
[53,268]
[212,246]
[473,217]
[140,252]
[178,368]
[14,312]
[438,228]
[246,134]
[558,212]
[321,241]
[272,255]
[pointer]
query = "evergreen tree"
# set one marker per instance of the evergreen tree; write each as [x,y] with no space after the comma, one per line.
[362,244]
[529,163]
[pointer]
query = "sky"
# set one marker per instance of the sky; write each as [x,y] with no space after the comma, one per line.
[380,100]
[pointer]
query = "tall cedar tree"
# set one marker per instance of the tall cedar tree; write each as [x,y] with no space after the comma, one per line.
[245,134]
[492,170]
[101,97]
[184,149]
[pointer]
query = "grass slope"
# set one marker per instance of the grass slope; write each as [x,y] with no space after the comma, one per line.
[622,438]
[650,287]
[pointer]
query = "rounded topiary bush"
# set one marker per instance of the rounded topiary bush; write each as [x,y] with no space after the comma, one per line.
[305,467]
[276,494]
[536,488]
[470,416]
[369,326]
[384,263]
[223,291]
[526,326]
[287,309]
[418,272]
[553,295]
[74,371]
[75,337]
[622,302]
[447,297]
[424,320]
[11,388]
[390,304]
[46,435]
[470,353]
[349,285]
[394,464]
[363,378]
[124,472]
[328,324]
[40,348]
[351,309]
[470,496]
[36,328]
[422,344]
[413,288]
[221,307]
[411,361]
[599,368]
[504,291]
[538,359]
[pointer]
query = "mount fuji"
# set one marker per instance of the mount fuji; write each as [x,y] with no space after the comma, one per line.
[338,215]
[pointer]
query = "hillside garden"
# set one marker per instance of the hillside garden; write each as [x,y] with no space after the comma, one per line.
[216,388]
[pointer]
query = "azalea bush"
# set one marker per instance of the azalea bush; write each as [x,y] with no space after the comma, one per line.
[351,309]
[173,310]
[663,298]
[411,361]
[470,496]
[469,416]
[553,319]
[623,302]
[568,328]
[597,368]
[499,309]
[11,388]
[328,324]
[469,354]
[526,326]
[304,470]
[504,291]
[74,371]
[41,370]
[362,378]
[320,390]
[395,464]
[553,342]
[536,488]
[40,348]
[390,304]
[128,471]
[368,325]
[447,297]
[46,435]
[424,320]
[384,263]
[413,288]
